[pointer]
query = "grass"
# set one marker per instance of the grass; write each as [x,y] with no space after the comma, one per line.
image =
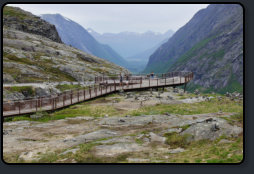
[67,87]
[225,105]
[90,109]
[85,154]
[11,11]
[175,140]
[235,119]
[45,66]
[206,151]
[28,90]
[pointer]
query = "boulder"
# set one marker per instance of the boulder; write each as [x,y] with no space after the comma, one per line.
[156,138]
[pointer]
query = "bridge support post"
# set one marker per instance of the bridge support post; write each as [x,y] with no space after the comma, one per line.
[185,87]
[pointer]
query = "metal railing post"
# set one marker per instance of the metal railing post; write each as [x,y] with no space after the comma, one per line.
[19,107]
[71,96]
[90,91]
[40,102]
[52,101]
[36,104]
[64,99]
[78,95]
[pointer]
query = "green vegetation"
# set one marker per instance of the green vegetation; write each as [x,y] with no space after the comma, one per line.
[26,90]
[225,105]
[11,11]
[235,119]
[90,109]
[206,151]
[83,155]
[233,85]
[67,87]
[192,52]
[175,140]
[45,66]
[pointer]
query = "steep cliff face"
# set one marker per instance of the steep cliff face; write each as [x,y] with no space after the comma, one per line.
[75,35]
[19,19]
[210,45]
[30,56]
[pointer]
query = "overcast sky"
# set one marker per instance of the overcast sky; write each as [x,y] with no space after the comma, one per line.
[115,18]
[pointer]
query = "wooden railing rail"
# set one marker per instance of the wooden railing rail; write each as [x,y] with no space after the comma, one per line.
[103,85]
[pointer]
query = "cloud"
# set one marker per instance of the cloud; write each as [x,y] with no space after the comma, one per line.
[121,17]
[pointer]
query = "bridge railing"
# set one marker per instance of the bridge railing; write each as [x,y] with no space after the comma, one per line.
[108,85]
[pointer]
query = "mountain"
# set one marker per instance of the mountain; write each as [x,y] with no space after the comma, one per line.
[210,45]
[34,52]
[129,44]
[144,56]
[19,19]
[75,35]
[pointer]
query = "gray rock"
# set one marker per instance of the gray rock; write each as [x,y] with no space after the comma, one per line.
[102,133]
[6,132]
[215,127]
[166,113]
[177,130]
[124,139]
[225,141]
[156,138]
[137,160]
[211,130]
[117,149]
[7,78]
[70,151]
[177,150]
[121,120]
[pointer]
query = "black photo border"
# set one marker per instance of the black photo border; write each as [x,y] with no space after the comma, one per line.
[242,3]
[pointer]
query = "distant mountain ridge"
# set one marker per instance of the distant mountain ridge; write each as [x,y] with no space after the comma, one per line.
[210,45]
[75,35]
[129,44]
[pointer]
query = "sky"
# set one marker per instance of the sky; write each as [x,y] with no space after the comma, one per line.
[115,18]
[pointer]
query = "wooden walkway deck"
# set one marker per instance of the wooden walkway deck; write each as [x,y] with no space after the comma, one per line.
[104,85]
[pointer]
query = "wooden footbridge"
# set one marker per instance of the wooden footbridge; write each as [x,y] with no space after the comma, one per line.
[102,86]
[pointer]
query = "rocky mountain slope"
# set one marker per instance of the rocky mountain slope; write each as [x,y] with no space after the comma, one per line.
[19,19]
[75,35]
[210,45]
[36,54]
